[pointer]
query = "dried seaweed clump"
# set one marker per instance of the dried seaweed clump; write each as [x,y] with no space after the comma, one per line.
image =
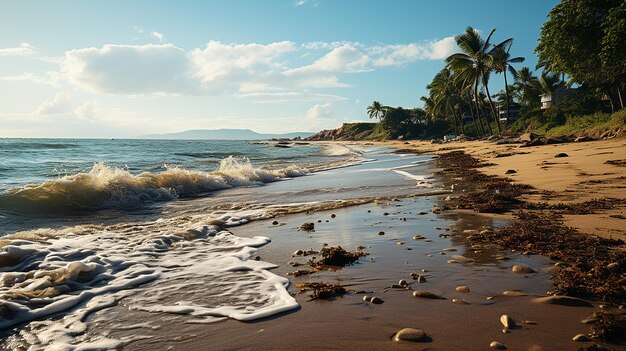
[585,207]
[322,290]
[594,269]
[308,227]
[336,256]
[609,326]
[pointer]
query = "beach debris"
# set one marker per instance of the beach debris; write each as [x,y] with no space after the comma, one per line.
[462,289]
[418,237]
[403,283]
[322,290]
[418,277]
[507,321]
[336,256]
[529,322]
[609,326]
[427,295]
[297,253]
[498,345]
[510,171]
[308,227]
[521,268]
[376,300]
[410,334]
[463,259]
[561,154]
[275,223]
[581,338]
[563,301]
[301,272]
[450,249]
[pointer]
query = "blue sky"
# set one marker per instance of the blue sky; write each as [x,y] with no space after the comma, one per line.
[128,68]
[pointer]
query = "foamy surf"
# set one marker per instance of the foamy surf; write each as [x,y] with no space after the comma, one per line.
[107,187]
[176,266]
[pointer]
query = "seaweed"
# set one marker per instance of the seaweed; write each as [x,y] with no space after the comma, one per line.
[609,326]
[336,256]
[322,290]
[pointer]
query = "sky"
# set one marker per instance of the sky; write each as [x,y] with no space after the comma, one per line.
[102,69]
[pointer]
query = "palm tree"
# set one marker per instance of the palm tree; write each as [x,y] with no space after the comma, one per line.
[502,61]
[375,110]
[475,62]
[526,85]
[548,83]
[444,95]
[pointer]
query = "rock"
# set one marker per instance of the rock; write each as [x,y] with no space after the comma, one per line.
[581,338]
[450,249]
[257,258]
[423,213]
[275,223]
[418,237]
[460,301]
[498,345]
[400,243]
[453,261]
[563,300]
[528,137]
[510,171]
[529,322]
[427,295]
[462,289]
[521,268]
[298,253]
[561,154]
[507,321]
[506,331]
[381,233]
[589,321]
[410,334]
[403,283]
[376,300]
[367,298]
[463,259]
[513,293]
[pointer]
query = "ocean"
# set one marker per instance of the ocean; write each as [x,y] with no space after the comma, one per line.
[89,223]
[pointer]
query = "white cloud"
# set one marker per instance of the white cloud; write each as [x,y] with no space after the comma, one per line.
[131,69]
[402,54]
[320,111]
[158,36]
[59,105]
[25,49]
[346,58]
[280,97]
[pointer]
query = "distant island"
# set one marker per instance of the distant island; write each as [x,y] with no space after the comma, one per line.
[225,134]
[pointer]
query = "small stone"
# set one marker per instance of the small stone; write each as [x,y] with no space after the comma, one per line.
[510,171]
[521,268]
[403,283]
[298,253]
[581,338]
[308,227]
[498,345]
[487,232]
[507,321]
[410,334]
[563,300]
[561,154]
[423,213]
[460,301]
[381,233]
[333,215]
[376,300]
[450,249]
[489,298]
[367,298]
[463,259]
[513,293]
[427,295]
[400,243]
[529,322]
[453,261]
[506,330]
[275,223]
[418,237]
[319,221]
[257,258]
[589,321]
[462,289]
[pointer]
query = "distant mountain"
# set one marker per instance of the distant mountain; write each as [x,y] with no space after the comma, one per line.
[224,134]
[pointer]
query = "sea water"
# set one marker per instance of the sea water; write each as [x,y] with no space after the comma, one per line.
[90,223]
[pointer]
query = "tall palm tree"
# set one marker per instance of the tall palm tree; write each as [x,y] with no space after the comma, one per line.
[376,110]
[526,85]
[502,62]
[444,95]
[476,61]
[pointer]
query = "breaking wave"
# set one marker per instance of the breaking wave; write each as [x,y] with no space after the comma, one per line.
[107,187]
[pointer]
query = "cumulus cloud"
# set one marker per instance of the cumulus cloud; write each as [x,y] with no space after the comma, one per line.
[131,69]
[59,105]
[25,49]
[158,36]
[219,68]
[320,111]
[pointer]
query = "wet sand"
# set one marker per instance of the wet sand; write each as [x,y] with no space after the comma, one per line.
[348,323]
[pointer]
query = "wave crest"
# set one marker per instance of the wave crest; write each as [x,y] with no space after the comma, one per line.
[109,187]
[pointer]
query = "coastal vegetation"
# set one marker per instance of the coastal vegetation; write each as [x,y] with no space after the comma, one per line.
[580,89]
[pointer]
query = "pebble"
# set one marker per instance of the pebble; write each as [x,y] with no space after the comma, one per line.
[529,322]
[513,293]
[487,232]
[376,300]
[381,233]
[581,338]
[400,243]
[507,321]
[561,154]
[410,334]
[403,283]
[460,301]
[563,300]
[275,223]
[333,215]
[463,259]
[418,237]
[450,249]
[462,289]
[427,295]
[470,231]
[510,171]
[521,268]
[589,321]
[298,253]
[489,298]
[498,345]
[453,261]
[367,298]
[506,330]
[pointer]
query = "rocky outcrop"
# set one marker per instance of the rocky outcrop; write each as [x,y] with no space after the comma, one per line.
[348,131]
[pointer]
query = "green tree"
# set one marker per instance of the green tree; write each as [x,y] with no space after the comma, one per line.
[375,110]
[502,62]
[584,39]
[526,87]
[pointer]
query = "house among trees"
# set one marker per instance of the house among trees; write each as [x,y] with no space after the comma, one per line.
[551,99]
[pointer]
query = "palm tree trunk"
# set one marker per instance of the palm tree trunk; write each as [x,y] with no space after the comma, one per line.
[476,96]
[456,125]
[478,131]
[493,108]
[619,95]
[461,118]
[506,93]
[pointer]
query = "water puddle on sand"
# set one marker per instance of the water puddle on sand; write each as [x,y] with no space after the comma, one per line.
[468,321]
